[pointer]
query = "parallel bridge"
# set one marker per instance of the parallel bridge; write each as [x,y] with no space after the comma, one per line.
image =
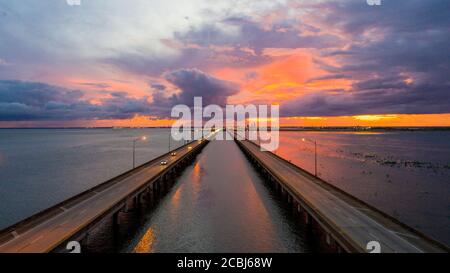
[345,223]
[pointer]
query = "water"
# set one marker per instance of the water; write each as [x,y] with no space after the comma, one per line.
[405,174]
[220,205]
[41,167]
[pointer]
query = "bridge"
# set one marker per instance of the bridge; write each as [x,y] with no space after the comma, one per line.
[75,218]
[342,222]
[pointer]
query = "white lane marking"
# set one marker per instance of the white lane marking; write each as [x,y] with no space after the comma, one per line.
[359,208]
[374,236]
[37,239]
[405,234]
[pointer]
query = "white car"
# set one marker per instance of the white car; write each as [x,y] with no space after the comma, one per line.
[163,163]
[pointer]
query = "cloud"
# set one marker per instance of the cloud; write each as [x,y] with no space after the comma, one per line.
[231,40]
[397,58]
[382,96]
[21,100]
[195,83]
[95,85]
[158,86]
[3,62]
[396,55]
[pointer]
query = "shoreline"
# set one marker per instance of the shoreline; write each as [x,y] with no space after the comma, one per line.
[287,128]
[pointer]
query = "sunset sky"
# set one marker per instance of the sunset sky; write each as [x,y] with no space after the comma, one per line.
[126,63]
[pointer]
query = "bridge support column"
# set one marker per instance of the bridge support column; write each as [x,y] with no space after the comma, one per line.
[99,238]
[143,202]
[289,198]
[162,183]
[283,192]
[154,192]
[308,218]
[115,226]
[156,189]
[130,204]
[149,194]
[294,205]
[84,243]
[128,217]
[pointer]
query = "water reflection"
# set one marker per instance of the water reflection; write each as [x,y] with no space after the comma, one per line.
[145,245]
[220,206]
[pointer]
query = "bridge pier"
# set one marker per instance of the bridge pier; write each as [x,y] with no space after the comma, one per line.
[162,182]
[127,218]
[144,202]
[289,199]
[100,238]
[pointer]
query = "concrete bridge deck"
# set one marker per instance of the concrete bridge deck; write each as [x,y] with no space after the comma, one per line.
[49,229]
[351,223]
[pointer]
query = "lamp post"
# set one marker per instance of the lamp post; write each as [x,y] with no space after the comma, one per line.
[170,140]
[143,138]
[315,153]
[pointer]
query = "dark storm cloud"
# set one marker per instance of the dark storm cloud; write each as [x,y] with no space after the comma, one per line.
[158,86]
[39,101]
[21,100]
[383,96]
[402,67]
[192,83]
[195,83]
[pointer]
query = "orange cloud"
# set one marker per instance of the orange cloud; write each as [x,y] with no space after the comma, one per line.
[287,77]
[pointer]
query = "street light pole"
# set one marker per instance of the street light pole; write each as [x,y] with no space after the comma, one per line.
[315,158]
[315,154]
[134,148]
[134,152]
